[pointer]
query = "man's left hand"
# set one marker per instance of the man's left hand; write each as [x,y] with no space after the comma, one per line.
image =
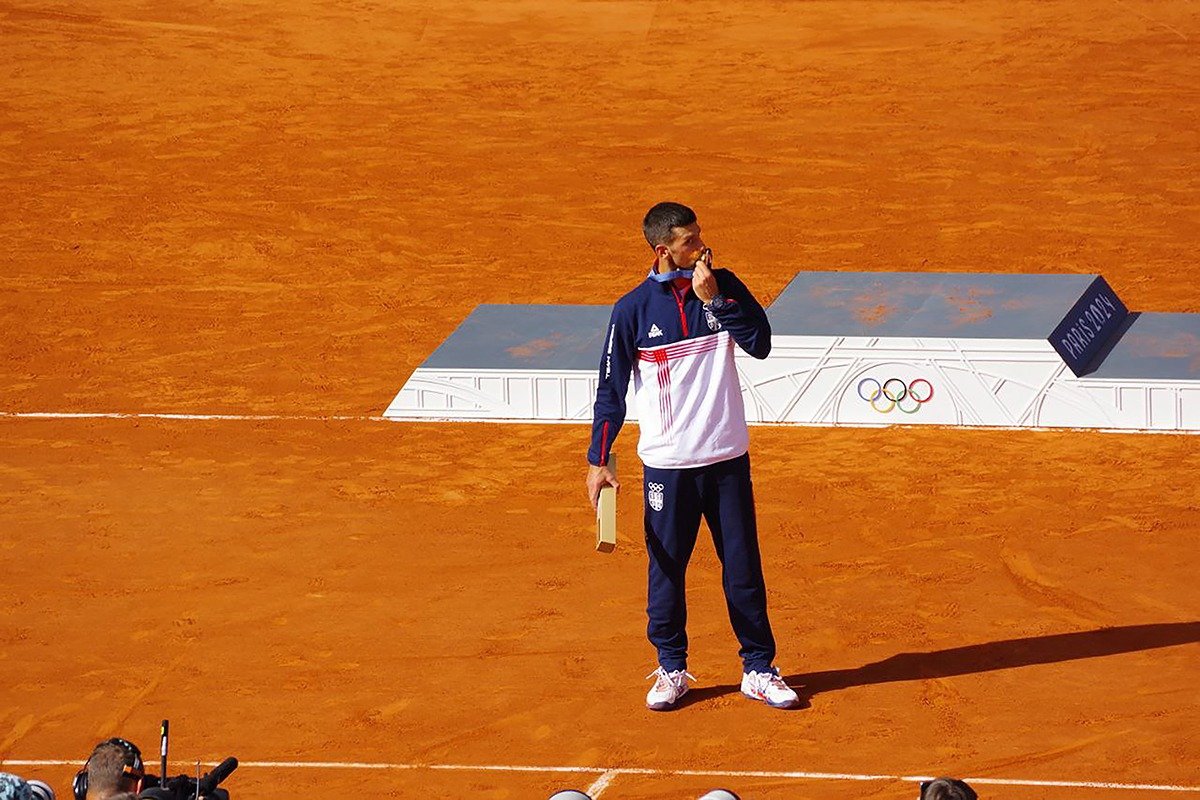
[704,283]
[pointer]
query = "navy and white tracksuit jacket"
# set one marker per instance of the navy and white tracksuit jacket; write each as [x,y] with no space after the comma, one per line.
[693,445]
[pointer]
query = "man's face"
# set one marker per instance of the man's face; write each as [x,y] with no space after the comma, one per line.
[683,249]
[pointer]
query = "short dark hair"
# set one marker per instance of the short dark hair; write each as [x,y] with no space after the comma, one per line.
[659,221]
[947,789]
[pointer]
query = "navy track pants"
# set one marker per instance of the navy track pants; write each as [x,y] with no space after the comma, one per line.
[675,500]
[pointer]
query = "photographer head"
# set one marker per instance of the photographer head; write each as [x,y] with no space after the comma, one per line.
[114,768]
[947,789]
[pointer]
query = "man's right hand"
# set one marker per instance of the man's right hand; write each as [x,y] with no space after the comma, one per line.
[597,479]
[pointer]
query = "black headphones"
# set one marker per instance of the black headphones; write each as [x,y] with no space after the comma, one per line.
[134,768]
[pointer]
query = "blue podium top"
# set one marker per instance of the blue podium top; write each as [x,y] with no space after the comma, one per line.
[521,337]
[1155,347]
[927,304]
[1078,314]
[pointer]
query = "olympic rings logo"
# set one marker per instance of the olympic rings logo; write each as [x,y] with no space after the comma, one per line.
[895,393]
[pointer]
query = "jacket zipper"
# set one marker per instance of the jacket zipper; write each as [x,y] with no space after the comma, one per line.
[679,302]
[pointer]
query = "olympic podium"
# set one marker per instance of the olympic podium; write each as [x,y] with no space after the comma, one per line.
[862,349]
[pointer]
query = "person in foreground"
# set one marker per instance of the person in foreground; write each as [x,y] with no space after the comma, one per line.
[114,768]
[946,789]
[675,334]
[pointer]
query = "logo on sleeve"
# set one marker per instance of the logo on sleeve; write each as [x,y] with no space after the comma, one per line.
[655,331]
[612,334]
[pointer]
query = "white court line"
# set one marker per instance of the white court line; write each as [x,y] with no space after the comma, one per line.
[617,771]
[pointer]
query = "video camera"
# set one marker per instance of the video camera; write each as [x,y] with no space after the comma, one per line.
[186,787]
[150,787]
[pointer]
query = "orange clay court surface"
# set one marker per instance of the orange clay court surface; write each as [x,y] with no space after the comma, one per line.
[281,208]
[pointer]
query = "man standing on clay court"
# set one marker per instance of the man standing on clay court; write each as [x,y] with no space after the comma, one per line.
[676,332]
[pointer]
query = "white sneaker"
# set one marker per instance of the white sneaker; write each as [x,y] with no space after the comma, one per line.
[769,688]
[668,688]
